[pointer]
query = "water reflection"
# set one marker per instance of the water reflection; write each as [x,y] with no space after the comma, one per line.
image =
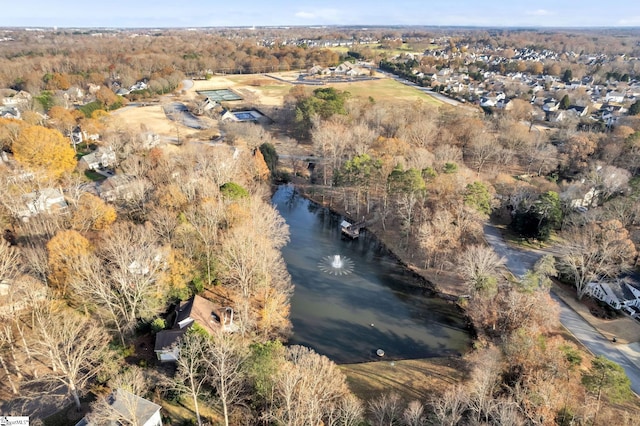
[377,305]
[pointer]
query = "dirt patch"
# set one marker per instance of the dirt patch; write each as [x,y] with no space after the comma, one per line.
[414,379]
[153,119]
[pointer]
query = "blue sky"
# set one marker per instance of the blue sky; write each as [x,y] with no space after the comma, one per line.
[205,13]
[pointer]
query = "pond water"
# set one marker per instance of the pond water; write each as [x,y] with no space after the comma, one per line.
[352,298]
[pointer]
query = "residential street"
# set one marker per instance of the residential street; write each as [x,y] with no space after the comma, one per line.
[518,261]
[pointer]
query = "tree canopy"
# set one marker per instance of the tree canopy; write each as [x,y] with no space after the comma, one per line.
[324,103]
[44,150]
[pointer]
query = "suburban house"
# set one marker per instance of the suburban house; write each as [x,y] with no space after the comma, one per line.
[317,69]
[616,97]
[579,111]
[578,196]
[128,408]
[78,136]
[196,310]
[48,200]
[20,99]
[10,112]
[550,105]
[101,158]
[617,294]
[20,293]
[119,187]
[150,140]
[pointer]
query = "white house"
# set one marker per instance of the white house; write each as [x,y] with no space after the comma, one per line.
[141,85]
[48,200]
[579,111]
[150,140]
[102,157]
[20,99]
[19,294]
[128,408]
[10,112]
[78,136]
[617,294]
[487,102]
[614,97]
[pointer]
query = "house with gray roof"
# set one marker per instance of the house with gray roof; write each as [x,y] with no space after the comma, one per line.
[126,408]
[103,157]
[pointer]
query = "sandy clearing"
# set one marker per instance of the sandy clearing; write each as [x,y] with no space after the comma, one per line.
[153,119]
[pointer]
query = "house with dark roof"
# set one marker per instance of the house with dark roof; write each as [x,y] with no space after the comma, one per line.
[196,310]
[119,187]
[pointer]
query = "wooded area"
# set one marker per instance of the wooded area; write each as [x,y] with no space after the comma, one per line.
[94,262]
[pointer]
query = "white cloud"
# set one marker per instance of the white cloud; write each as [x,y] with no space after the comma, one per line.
[539,12]
[632,21]
[320,14]
[305,15]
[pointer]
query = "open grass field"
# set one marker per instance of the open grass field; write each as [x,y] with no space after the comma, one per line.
[268,91]
[411,379]
[386,89]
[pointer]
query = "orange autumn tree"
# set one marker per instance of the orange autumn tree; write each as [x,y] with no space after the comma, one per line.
[92,214]
[65,251]
[44,150]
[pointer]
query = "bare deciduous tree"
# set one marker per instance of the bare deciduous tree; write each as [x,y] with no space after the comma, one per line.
[74,346]
[348,412]
[449,408]
[8,262]
[125,278]
[306,388]
[478,267]
[413,415]
[386,409]
[595,251]
[225,356]
[205,221]
[193,369]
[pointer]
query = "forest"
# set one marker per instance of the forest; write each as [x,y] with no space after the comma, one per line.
[94,263]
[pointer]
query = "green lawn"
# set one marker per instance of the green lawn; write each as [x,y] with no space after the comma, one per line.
[386,89]
[94,176]
[275,89]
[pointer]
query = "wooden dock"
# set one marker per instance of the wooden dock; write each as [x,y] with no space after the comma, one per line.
[352,230]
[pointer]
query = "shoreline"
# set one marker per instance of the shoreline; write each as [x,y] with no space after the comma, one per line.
[415,272]
[424,282]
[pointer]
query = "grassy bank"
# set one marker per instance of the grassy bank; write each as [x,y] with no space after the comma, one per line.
[411,379]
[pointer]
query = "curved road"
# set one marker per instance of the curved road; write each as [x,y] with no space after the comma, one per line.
[519,261]
[187,84]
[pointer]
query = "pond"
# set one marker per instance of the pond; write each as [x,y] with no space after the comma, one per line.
[352,297]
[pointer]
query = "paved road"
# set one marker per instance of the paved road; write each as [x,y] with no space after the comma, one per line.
[519,261]
[625,355]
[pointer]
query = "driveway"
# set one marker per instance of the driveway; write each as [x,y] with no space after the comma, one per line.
[518,261]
